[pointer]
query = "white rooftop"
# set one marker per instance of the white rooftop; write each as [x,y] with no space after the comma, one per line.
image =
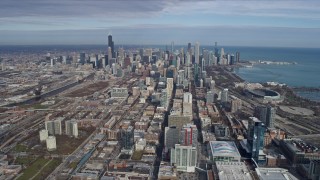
[224,148]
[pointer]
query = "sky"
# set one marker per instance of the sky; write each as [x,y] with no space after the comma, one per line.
[277,23]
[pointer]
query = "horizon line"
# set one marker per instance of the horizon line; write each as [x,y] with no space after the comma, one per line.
[129,44]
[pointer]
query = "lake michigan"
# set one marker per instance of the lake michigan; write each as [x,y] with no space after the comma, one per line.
[306,73]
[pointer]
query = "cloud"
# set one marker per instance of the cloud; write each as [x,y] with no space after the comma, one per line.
[79,8]
[271,8]
[121,9]
[74,14]
[145,20]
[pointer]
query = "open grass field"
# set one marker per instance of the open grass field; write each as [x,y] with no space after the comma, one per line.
[39,169]
[33,168]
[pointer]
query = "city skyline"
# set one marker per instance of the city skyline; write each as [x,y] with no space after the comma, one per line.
[181,112]
[241,23]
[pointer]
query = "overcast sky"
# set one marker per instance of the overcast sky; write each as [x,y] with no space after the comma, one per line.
[291,23]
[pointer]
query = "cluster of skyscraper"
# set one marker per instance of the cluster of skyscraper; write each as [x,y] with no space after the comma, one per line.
[174,70]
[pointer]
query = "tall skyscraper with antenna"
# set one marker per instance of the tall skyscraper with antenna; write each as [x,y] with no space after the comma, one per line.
[111,44]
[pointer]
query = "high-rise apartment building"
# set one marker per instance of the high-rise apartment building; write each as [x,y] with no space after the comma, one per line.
[126,62]
[197,52]
[203,64]
[121,53]
[210,97]
[184,158]
[109,55]
[187,104]
[71,128]
[232,59]
[171,137]
[189,47]
[237,57]
[236,104]
[164,101]
[224,96]
[54,126]
[181,74]
[187,97]
[82,58]
[51,143]
[169,87]
[127,137]
[266,114]
[216,50]
[43,135]
[212,85]
[189,135]
[222,59]
[256,130]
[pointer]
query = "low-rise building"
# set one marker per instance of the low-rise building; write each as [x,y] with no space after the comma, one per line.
[232,171]
[274,173]
[167,172]
[119,93]
[314,170]
[298,151]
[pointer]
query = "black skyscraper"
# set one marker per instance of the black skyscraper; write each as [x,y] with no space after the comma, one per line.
[82,58]
[111,44]
[216,51]
[266,114]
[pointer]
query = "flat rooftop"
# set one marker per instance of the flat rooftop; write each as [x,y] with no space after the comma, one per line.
[233,171]
[298,145]
[274,174]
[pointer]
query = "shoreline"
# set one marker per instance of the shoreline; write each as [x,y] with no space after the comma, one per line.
[292,88]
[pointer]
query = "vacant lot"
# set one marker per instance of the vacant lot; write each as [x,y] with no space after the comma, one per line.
[297,110]
[89,89]
[66,145]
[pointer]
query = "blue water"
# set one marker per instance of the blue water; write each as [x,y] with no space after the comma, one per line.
[315,96]
[305,73]
[292,75]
